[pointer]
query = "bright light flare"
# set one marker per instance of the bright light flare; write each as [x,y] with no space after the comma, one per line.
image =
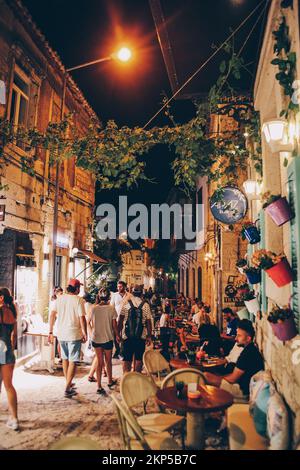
[124,54]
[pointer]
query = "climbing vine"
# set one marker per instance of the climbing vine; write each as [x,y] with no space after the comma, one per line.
[114,154]
[285,61]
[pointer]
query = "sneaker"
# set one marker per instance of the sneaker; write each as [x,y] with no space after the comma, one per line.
[70,393]
[112,384]
[101,391]
[13,424]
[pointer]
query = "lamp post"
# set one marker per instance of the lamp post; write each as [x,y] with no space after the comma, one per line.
[123,55]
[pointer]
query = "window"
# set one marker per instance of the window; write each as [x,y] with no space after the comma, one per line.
[19,104]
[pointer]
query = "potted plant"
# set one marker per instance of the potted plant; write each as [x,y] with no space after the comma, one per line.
[250,232]
[253,274]
[276,266]
[243,314]
[277,207]
[242,287]
[241,264]
[251,302]
[283,323]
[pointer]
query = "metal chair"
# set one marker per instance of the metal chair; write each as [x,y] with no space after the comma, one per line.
[133,436]
[136,389]
[186,375]
[156,366]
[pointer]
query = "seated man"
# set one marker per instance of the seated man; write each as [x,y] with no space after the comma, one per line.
[248,363]
[232,321]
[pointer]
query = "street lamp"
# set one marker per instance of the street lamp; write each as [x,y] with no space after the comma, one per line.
[124,54]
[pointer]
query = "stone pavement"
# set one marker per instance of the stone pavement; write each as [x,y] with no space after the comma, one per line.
[46,416]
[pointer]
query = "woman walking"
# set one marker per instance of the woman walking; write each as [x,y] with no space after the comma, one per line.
[8,341]
[103,324]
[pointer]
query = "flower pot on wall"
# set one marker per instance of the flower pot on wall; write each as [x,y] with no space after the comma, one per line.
[254,277]
[281,273]
[285,330]
[279,211]
[252,234]
[252,306]
[243,314]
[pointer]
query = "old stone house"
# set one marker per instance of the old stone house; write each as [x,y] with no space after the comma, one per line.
[33,76]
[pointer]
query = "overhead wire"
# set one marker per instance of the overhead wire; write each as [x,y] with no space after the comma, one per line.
[204,64]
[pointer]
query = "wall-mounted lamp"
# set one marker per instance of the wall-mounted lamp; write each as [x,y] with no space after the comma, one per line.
[252,188]
[276,133]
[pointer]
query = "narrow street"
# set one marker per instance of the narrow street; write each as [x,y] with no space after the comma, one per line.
[46,416]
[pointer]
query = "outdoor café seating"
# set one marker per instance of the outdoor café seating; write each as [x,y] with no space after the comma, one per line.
[134,437]
[156,366]
[137,389]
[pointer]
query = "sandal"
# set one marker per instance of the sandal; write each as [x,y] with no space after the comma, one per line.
[101,391]
[112,384]
[92,379]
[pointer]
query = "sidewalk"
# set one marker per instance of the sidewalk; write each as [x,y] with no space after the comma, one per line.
[46,416]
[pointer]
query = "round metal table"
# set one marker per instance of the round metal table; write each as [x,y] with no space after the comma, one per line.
[212,399]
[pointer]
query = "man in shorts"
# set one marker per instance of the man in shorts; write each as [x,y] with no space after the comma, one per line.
[134,347]
[71,330]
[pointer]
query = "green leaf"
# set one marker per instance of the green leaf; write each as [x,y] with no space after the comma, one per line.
[222,67]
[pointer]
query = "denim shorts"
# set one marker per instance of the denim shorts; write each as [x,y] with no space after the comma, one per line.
[70,350]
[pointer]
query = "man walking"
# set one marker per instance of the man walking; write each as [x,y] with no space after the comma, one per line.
[71,330]
[135,329]
[117,301]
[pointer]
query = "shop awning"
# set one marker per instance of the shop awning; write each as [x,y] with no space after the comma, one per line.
[93,257]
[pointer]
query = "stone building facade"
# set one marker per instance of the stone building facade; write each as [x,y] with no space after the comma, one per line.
[33,76]
[282,358]
[137,269]
[205,272]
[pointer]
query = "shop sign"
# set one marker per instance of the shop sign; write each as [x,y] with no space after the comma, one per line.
[229,205]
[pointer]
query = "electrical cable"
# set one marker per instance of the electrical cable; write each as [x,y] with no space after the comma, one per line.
[204,63]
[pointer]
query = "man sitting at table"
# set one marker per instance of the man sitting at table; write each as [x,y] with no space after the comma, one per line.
[248,363]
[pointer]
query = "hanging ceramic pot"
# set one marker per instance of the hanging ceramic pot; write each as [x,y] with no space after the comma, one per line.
[279,211]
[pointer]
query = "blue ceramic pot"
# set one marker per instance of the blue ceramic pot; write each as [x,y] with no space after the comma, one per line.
[252,234]
[254,278]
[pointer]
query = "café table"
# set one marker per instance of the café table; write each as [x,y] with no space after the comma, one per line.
[210,363]
[211,400]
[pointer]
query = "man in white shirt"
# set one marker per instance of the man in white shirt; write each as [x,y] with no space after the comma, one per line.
[117,300]
[71,330]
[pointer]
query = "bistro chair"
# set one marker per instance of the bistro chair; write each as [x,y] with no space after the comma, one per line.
[136,389]
[186,375]
[133,436]
[156,366]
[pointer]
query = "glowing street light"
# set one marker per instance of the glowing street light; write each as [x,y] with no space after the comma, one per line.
[124,54]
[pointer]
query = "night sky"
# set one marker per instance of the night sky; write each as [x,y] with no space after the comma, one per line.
[130,94]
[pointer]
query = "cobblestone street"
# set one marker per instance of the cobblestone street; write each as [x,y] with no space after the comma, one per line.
[46,416]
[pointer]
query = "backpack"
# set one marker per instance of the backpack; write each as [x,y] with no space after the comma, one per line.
[134,324]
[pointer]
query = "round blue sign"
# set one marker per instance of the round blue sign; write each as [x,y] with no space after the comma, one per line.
[228,205]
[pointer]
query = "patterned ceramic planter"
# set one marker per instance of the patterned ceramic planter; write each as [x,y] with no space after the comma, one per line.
[285,330]
[279,211]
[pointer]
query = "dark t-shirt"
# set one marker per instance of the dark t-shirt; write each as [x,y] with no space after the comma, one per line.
[250,361]
[211,334]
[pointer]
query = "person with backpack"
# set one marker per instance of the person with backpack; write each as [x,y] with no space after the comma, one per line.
[135,329]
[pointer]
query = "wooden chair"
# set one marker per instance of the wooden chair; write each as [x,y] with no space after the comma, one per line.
[133,436]
[186,375]
[156,366]
[136,389]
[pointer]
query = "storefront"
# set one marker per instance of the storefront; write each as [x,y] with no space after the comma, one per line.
[19,274]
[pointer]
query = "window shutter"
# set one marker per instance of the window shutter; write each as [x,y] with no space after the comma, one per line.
[294,200]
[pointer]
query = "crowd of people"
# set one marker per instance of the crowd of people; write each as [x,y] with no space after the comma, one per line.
[121,325]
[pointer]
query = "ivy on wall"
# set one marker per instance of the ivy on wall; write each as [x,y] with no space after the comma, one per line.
[114,154]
